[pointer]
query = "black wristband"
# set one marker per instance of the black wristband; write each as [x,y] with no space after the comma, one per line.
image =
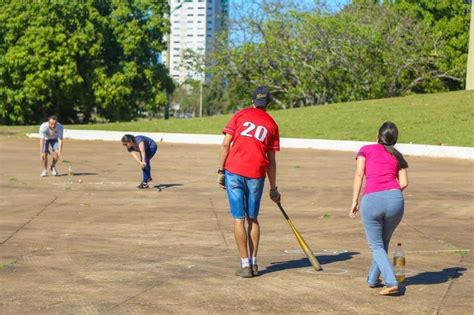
[220,171]
[276,188]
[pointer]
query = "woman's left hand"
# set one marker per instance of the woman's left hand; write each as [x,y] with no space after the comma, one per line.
[354,209]
[142,164]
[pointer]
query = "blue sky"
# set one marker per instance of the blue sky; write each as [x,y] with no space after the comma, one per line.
[332,4]
[250,8]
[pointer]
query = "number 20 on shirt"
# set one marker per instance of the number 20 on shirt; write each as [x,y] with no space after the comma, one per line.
[252,131]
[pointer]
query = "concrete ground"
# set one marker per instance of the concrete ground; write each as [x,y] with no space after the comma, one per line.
[102,246]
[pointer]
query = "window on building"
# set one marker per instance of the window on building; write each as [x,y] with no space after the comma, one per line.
[200,14]
[190,21]
[201,8]
[209,22]
[191,14]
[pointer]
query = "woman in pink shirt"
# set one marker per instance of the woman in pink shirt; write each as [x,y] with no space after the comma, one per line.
[385,171]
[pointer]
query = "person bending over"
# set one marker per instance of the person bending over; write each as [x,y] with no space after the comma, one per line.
[142,149]
[51,135]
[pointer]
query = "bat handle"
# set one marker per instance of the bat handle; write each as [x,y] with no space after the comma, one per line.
[282,210]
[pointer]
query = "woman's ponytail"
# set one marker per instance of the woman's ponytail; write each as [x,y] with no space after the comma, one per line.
[402,163]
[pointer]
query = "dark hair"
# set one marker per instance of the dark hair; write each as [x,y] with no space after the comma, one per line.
[53,117]
[128,138]
[388,136]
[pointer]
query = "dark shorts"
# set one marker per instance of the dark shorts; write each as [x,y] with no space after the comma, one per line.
[54,143]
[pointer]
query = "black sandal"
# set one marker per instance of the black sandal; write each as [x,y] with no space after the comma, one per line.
[378,284]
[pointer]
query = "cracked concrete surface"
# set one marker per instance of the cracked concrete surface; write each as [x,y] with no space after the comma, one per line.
[102,246]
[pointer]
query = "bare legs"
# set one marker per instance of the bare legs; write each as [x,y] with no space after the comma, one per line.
[247,240]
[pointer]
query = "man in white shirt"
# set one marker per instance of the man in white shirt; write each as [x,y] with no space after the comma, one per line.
[51,134]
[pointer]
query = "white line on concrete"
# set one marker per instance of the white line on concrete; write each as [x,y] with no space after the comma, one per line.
[327,271]
[319,144]
[90,183]
[342,251]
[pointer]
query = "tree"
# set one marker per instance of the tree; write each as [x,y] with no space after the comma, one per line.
[368,49]
[70,57]
[450,21]
[306,58]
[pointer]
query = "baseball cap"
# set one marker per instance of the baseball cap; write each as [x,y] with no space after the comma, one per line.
[261,96]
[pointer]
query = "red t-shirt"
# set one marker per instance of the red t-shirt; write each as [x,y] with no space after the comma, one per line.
[254,134]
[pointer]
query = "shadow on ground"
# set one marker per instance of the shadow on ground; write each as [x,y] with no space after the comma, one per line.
[304,262]
[164,186]
[84,174]
[78,174]
[433,277]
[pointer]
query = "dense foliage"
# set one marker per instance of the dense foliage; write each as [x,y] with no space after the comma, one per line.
[368,49]
[85,60]
[77,58]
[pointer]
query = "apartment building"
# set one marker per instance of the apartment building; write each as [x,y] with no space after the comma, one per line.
[194,25]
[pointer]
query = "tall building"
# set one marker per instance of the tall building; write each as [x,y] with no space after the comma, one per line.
[194,25]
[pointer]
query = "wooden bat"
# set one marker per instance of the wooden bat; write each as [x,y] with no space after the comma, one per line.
[302,242]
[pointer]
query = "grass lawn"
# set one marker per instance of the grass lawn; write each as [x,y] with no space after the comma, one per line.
[439,119]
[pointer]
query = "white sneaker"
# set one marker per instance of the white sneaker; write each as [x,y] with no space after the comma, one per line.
[54,172]
[44,174]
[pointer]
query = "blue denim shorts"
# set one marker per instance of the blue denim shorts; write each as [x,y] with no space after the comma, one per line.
[50,142]
[244,195]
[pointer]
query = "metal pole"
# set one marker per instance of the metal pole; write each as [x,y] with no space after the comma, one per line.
[470,54]
[200,99]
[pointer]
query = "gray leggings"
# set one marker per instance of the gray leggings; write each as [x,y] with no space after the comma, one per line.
[381,213]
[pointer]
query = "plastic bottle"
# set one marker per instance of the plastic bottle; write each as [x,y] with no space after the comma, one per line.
[70,173]
[399,263]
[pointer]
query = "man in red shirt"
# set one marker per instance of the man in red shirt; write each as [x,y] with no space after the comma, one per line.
[247,154]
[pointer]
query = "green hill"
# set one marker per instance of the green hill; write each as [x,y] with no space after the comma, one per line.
[443,118]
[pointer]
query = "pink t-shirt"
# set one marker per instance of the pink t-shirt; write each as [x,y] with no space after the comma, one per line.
[381,169]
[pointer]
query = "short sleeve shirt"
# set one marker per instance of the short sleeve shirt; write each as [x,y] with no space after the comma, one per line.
[381,169]
[147,141]
[51,134]
[255,133]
